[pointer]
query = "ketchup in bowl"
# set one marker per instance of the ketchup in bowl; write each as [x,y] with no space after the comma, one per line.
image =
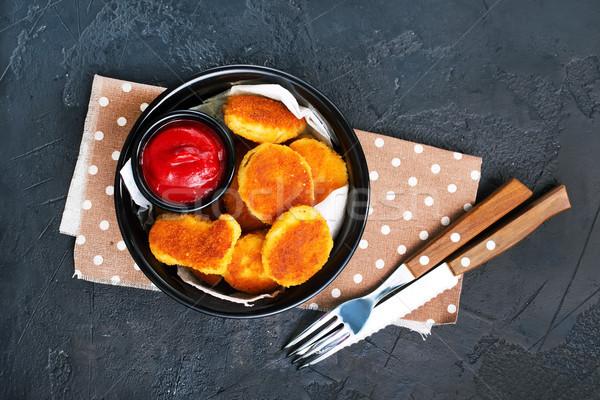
[183,162]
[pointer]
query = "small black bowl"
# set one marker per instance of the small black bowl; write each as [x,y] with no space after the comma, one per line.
[192,93]
[174,117]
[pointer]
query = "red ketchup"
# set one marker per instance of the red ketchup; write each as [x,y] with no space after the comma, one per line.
[183,162]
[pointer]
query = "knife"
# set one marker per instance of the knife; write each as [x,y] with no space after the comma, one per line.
[444,276]
[502,201]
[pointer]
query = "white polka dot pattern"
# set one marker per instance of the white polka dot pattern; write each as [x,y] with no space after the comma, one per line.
[409,203]
[335,293]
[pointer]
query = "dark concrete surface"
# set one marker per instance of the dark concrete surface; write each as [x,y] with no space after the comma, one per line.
[515,82]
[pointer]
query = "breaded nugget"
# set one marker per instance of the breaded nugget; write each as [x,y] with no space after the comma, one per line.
[297,246]
[235,206]
[245,272]
[194,242]
[328,168]
[272,178]
[233,203]
[261,120]
[209,279]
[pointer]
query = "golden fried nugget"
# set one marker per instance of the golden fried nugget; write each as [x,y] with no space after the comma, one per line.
[245,272]
[209,279]
[194,242]
[233,203]
[272,178]
[261,120]
[297,246]
[328,168]
[235,206]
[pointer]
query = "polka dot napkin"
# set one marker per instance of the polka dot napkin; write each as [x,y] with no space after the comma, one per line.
[416,190]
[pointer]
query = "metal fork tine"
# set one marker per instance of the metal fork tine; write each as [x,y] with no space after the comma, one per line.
[325,332]
[334,348]
[323,343]
[305,333]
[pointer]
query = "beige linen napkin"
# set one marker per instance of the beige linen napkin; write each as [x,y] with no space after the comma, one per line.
[415,191]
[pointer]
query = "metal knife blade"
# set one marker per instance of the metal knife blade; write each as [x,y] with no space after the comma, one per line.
[413,296]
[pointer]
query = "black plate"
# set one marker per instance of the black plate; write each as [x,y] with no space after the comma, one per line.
[192,93]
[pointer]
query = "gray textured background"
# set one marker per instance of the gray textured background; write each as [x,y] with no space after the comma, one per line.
[515,82]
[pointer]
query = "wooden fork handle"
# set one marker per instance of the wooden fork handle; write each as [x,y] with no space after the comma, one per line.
[510,232]
[484,214]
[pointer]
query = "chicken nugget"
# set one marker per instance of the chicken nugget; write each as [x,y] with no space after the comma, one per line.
[235,206]
[328,169]
[272,178]
[261,120]
[245,272]
[297,246]
[233,203]
[192,241]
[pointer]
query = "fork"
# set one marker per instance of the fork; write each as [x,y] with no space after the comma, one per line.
[348,319]
[477,252]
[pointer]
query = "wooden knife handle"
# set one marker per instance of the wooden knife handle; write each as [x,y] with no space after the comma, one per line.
[484,214]
[510,232]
